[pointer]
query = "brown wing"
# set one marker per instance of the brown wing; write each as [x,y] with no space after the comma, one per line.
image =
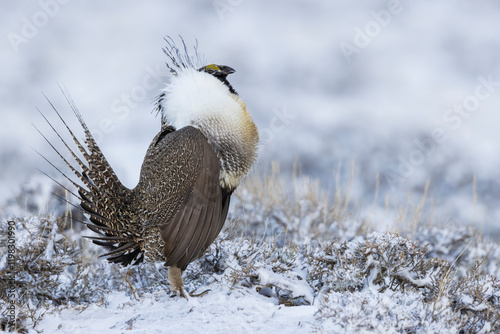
[181,194]
[193,228]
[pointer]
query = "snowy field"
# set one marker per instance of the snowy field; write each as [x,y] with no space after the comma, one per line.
[387,110]
[288,265]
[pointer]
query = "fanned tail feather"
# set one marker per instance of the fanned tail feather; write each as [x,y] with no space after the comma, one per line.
[107,202]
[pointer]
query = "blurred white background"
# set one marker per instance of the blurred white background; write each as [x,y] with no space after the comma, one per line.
[326,82]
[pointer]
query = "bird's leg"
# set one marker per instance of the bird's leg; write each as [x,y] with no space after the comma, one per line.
[175,280]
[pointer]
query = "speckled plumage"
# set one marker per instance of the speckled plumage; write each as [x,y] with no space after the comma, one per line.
[207,143]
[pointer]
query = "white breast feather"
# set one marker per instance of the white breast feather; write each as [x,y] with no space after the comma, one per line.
[195,97]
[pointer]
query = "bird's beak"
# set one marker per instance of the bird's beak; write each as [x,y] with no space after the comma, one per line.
[226,69]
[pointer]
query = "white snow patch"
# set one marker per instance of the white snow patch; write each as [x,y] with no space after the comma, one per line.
[224,311]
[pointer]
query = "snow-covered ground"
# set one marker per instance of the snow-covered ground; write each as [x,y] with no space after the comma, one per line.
[334,274]
[349,280]
[409,90]
[223,312]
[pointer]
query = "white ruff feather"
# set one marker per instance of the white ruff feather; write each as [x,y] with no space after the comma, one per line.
[196,98]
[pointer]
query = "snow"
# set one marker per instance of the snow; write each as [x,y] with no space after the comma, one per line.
[49,249]
[391,108]
[378,282]
[297,285]
[223,311]
[367,312]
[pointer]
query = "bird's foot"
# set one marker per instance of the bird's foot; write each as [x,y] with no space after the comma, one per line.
[184,293]
[188,295]
[180,293]
[175,279]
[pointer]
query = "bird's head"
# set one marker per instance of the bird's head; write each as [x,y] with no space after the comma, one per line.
[219,71]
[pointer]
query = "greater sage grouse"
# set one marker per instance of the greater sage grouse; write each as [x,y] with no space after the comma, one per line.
[207,143]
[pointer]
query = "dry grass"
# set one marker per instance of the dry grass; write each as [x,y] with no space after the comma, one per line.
[297,209]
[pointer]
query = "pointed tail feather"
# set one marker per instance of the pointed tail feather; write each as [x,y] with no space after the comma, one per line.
[108,203]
